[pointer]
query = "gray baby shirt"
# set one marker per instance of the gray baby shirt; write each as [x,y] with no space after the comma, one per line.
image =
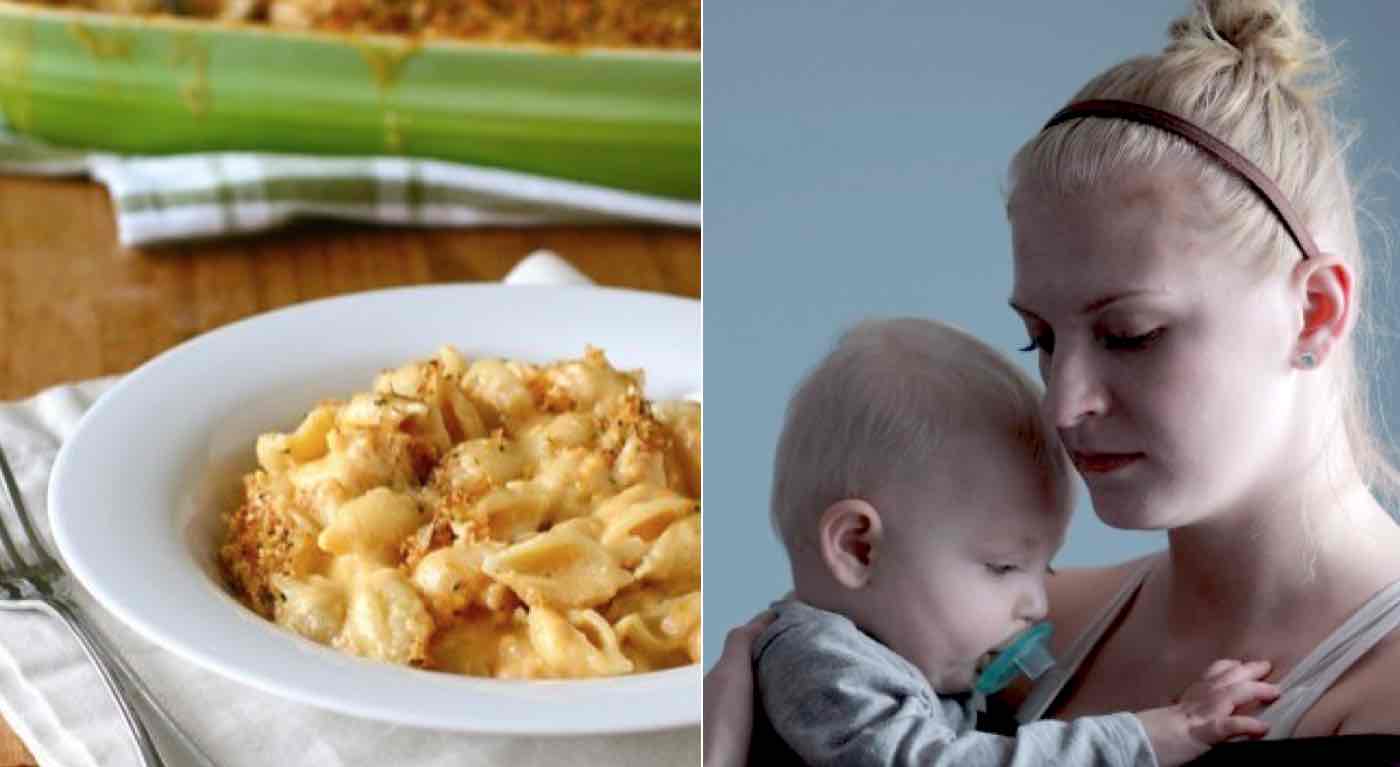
[834,695]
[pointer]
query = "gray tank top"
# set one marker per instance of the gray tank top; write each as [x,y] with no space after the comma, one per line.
[1301,688]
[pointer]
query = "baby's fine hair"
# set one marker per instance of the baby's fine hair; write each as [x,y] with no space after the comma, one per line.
[1255,75]
[873,416]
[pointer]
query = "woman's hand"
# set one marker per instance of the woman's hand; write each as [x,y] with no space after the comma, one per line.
[729,696]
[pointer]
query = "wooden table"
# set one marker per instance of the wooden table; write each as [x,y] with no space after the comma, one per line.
[75,305]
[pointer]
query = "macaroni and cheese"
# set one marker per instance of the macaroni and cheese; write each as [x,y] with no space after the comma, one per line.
[492,518]
[654,24]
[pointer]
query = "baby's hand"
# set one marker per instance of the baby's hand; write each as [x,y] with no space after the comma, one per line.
[1205,714]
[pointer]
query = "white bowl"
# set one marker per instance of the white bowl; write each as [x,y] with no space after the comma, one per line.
[137,490]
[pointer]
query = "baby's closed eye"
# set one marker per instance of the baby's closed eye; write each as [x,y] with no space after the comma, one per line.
[1006,568]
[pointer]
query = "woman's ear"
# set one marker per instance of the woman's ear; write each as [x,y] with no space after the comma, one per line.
[1327,286]
[850,536]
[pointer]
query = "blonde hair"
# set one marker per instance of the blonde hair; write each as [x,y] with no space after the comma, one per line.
[872,416]
[1254,74]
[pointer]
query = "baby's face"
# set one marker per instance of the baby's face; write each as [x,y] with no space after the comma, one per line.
[960,575]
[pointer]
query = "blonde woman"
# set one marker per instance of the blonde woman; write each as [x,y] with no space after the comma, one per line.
[1188,269]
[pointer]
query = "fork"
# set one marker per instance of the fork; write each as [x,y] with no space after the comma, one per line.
[43,585]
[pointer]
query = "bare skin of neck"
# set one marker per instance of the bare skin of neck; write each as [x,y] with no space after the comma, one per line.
[1289,566]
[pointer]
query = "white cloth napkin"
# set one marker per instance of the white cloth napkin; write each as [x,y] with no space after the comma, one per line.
[208,194]
[54,700]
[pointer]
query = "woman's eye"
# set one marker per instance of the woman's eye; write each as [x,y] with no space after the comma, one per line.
[1132,343]
[1044,342]
[996,569]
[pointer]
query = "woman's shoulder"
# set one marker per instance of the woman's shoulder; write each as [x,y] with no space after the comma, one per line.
[1363,700]
[1365,697]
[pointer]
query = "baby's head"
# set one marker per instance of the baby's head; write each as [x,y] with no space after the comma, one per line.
[919,493]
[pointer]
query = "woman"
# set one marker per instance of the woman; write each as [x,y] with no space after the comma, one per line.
[1194,314]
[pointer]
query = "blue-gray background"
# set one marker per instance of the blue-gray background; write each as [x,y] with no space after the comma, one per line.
[854,156]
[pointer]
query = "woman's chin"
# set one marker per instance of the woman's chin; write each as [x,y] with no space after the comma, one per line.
[1124,511]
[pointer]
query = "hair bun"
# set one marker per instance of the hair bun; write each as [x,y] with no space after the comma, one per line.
[1274,35]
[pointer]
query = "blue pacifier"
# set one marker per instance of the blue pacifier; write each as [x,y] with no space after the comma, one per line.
[1028,653]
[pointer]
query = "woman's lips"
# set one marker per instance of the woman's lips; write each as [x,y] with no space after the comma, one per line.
[1104,463]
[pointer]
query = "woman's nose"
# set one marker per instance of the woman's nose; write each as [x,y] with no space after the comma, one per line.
[1073,389]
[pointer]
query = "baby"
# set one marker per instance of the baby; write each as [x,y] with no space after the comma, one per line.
[921,499]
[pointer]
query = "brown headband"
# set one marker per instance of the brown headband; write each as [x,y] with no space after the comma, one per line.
[1227,156]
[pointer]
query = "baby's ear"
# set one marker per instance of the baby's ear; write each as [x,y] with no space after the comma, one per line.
[850,534]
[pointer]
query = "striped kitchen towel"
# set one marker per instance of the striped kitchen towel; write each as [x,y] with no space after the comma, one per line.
[189,196]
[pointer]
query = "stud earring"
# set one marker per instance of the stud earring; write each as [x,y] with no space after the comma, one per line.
[1307,361]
